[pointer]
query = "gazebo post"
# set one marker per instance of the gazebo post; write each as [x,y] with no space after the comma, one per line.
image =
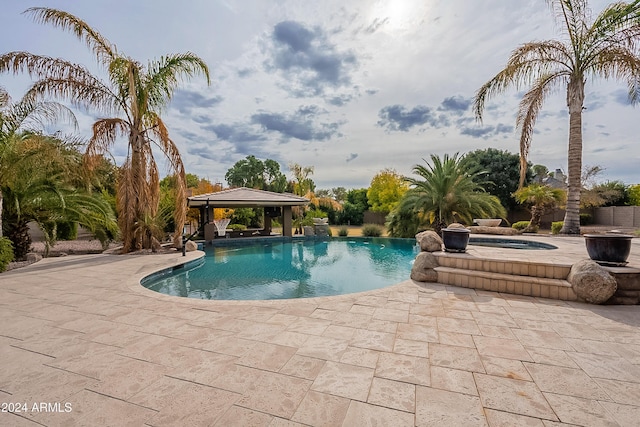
[287,222]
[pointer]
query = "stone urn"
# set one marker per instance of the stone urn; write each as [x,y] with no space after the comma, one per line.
[455,239]
[608,249]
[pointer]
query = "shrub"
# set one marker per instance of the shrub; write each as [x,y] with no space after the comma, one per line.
[556,226]
[67,230]
[316,213]
[586,219]
[6,253]
[372,230]
[343,232]
[237,227]
[520,225]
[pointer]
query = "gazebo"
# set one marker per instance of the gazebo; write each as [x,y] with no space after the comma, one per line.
[274,204]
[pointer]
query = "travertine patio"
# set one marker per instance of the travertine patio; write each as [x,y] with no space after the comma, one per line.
[81,330]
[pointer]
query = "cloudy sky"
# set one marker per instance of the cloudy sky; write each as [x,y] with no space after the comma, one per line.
[349,87]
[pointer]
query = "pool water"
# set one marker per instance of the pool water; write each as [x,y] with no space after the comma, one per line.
[277,269]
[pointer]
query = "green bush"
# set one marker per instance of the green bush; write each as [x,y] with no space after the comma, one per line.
[372,230]
[67,230]
[6,253]
[520,225]
[586,219]
[556,226]
[316,213]
[343,232]
[237,227]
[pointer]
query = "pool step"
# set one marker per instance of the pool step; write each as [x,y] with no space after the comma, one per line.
[536,279]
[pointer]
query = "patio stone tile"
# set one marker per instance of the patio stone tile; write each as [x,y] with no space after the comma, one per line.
[19,366]
[427,310]
[391,314]
[585,412]
[579,331]
[340,332]
[507,419]
[629,351]
[14,420]
[360,357]
[268,357]
[535,325]
[509,395]
[411,348]
[496,331]
[115,334]
[325,348]
[494,319]
[371,300]
[291,339]
[54,342]
[344,380]
[354,320]
[453,380]
[321,313]
[462,314]
[623,392]
[501,347]
[275,394]
[373,340]
[542,339]
[444,408]
[261,331]
[549,356]
[49,385]
[608,367]
[461,326]
[24,327]
[418,332]
[460,340]
[559,380]
[362,414]
[625,415]
[417,319]
[309,326]
[321,409]
[363,309]
[299,308]
[223,342]
[591,346]
[448,356]
[303,367]
[507,368]
[383,326]
[393,394]
[281,422]
[399,367]
[239,416]
[178,402]
[217,370]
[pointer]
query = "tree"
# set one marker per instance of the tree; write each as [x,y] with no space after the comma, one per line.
[447,192]
[499,173]
[302,183]
[634,195]
[600,47]
[386,190]
[542,199]
[134,95]
[252,172]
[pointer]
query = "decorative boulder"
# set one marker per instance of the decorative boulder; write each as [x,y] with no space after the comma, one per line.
[191,246]
[32,257]
[423,268]
[456,225]
[591,282]
[429,241]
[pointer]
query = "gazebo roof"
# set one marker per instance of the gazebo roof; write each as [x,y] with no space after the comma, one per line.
[246,198]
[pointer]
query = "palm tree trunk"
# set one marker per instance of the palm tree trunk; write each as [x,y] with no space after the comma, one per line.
[536,217]
[575,100]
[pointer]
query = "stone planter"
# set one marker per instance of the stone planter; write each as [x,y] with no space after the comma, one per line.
[488,222]
[608,249]
[455,239]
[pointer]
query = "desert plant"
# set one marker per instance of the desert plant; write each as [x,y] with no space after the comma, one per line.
[372,230]
[520,225]
[556,226]
[586,219]
[343,232]
[6,253]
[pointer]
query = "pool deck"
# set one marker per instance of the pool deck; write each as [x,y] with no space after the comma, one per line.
[80,331]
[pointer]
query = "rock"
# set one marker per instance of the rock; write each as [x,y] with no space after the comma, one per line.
[456,225]
[308,230]
[423,268]
[591,282]
[155,245]
[321,230]
[33,257]
[429,241]
[191,246]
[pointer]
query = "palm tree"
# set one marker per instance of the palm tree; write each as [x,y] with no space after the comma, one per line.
[602,47]
[133,96]
[20,122]
[448,192]
[542,198]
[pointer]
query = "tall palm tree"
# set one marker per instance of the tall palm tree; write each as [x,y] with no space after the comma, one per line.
[448,192]
[133,96]
[542,198]
[602,47]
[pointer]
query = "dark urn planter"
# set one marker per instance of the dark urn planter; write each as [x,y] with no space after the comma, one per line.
[608,249]
[455,239]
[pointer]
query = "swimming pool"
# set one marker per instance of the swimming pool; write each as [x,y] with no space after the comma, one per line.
[298,268]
